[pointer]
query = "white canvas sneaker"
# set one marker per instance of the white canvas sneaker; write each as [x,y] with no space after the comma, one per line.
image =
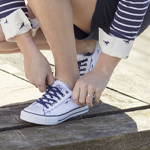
[54,107]
[88,61]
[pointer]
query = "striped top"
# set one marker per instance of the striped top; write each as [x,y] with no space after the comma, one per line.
[128,18]
[9,6]
[126,23]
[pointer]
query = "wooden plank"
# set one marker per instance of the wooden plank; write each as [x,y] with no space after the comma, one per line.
[130,84]
[137,63]
[120,80]
[15,90]
[112,103]
[138,60]
[146,33]
[142,42]
[120,131]
[13,63]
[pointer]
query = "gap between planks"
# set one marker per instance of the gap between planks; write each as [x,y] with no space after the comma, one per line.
[84,116]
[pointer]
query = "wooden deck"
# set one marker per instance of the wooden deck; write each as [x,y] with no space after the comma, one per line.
[121,121]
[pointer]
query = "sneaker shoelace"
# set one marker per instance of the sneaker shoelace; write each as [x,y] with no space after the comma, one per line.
[81,64]
[50,94]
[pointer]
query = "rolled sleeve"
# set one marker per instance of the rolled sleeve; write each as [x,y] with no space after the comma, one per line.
[16,24]
[114,46]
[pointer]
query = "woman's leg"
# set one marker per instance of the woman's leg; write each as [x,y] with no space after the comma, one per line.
[56,21]
[82,16]
[82,46]
[57,25]
[82,13]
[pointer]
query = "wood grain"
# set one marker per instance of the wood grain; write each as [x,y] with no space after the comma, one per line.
[119,131]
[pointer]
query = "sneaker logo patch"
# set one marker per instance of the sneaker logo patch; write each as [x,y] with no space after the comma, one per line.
[22,25]
[106,42]
[6,21]
[127,41]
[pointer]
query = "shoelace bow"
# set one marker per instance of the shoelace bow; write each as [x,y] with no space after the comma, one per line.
[80,64]
[52,92]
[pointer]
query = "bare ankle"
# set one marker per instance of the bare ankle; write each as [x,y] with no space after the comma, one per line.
[85,46]
[68,81]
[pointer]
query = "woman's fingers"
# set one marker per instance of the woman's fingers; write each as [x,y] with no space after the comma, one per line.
[76,94]
[90,85]
[38,70]
[42,87]
[84,93]
[50,78]
[90,96]
[82,96]
[89,99]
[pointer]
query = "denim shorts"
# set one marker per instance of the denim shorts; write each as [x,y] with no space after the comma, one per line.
[103,16]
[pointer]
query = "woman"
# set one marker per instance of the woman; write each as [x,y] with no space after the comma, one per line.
[56,20]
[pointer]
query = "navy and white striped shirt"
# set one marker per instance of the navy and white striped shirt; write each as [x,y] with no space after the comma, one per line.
[126,24]
[9,6]
[128,18]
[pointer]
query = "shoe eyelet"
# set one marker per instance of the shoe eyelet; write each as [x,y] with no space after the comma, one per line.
[67,92]
[47,107]
[85,64]
[63,95]
[86,59]
[56,101]
[59,98]
[84,69]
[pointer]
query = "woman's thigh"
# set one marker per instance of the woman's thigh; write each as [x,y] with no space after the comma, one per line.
[83,11]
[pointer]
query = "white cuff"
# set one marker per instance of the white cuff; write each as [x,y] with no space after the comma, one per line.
[16,24]
[114,46]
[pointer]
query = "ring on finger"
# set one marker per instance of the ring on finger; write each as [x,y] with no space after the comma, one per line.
[91,96]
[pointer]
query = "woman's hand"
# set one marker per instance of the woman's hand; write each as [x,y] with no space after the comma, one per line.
[95,81]
[92,83]
[38,70]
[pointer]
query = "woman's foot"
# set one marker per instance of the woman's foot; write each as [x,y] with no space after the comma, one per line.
[54,107]
[88,61]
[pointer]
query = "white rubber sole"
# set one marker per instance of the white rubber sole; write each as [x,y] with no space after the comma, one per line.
[52,120]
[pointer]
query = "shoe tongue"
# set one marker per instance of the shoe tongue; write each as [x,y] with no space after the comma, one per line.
[81,56]
[60,85]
